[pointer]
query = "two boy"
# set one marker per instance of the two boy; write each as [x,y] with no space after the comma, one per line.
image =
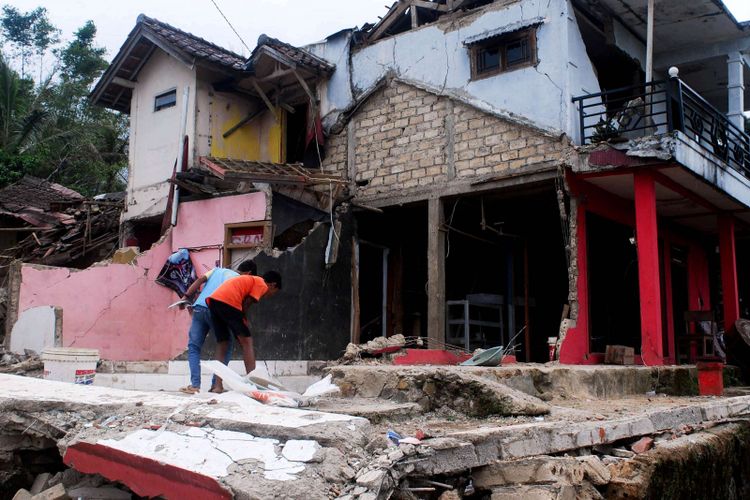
[204,317]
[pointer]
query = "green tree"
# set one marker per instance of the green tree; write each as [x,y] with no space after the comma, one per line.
[28,33]
[51,130]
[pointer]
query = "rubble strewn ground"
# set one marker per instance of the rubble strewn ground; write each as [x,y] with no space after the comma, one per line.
[28,364]
[509,432]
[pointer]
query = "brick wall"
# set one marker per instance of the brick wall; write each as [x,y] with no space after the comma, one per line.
[403,142]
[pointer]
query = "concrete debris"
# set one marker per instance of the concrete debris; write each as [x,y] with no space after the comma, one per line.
[233,446]
[28,364]
[642,445]
[56,492]
[379,345]
[434,387]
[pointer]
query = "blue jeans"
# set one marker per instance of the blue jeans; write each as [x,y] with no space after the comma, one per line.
[199,328]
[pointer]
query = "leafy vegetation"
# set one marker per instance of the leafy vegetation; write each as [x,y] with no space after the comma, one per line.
[48,127]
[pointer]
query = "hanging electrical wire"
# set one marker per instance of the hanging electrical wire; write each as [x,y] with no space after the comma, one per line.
[230,26]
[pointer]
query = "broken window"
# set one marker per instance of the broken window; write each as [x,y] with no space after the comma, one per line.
[503,53]
[165,100]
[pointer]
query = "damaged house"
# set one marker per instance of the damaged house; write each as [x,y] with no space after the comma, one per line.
[467,171]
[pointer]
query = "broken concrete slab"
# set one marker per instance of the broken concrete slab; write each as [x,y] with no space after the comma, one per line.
[486,444]
[160,444]
[375,410]
[232,411]
[56,492]
[546,381]
[680,467]
[433,387]
[565,470]
[41,483]
[546,492]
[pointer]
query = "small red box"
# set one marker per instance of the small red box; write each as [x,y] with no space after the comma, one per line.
[710,378]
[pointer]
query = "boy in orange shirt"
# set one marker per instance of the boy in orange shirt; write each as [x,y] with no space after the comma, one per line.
[229,305]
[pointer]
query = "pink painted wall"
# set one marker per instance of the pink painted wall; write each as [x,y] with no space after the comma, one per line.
[118,308]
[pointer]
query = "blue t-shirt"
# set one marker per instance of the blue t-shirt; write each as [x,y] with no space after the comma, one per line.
[215,277]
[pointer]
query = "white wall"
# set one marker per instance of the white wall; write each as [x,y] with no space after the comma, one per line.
[335,93]
[435,56]
[154,135]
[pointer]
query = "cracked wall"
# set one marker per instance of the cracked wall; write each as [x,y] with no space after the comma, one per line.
[436,56]
[118,308]
[310,318]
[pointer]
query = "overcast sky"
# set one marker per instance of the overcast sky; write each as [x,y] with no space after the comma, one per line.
[295,21]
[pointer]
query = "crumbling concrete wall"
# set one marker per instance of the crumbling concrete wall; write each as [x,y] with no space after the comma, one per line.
[118,308]
[404,138]
[310,318]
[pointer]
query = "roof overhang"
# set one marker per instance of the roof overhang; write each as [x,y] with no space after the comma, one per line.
[115,88]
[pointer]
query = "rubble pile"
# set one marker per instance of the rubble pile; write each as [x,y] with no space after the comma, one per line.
[28,364]
[72,484]
[87,229]
[377,346]
[57,226]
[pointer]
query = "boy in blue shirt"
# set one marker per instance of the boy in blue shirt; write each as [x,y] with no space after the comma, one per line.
[201,323]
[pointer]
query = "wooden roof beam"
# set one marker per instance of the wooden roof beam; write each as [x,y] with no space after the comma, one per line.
[392,16]
[265,98]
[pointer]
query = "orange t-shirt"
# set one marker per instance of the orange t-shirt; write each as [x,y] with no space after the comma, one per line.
[234,290]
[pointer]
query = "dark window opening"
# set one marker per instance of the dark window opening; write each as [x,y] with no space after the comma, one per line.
[503,53]
[165,100]
[301,144]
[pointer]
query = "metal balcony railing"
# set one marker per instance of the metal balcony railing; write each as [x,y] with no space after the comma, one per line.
[661,107]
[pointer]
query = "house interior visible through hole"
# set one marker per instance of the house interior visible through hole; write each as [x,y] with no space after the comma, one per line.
[505,269]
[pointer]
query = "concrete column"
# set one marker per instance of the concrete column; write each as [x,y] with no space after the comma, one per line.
[435,274]
[649,284]
[728,257]
[736,89]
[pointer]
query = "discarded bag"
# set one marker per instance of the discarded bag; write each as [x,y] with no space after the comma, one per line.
[321,388]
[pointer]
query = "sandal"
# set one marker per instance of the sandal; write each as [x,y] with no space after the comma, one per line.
[190,390]
[215,390]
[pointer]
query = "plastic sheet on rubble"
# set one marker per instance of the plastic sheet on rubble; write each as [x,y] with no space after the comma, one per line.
[269,392]
[235,382]
[321,388]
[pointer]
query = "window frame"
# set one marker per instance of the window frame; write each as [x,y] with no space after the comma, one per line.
[163,94]
[266,242]
[501,42]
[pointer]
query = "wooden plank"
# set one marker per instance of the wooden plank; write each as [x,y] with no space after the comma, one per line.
[355,330]
[435,274]
[414,12]
[429,5]
[123,82]
[263,96]
[310,95]
[242,122]
[391,17]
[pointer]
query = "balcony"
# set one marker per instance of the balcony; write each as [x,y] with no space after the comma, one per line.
[663,107]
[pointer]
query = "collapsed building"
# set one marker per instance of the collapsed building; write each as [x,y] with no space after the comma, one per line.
[470,172]
[554,176]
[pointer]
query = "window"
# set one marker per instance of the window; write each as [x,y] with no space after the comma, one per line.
[503,53]
[241,236]
[165,100]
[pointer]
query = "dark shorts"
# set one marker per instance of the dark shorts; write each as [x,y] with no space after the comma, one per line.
[227,321]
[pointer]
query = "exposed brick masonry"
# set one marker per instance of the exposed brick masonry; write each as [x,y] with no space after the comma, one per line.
[401,142]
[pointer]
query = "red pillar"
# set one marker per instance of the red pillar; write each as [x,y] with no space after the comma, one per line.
[647,238]
[727,254]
